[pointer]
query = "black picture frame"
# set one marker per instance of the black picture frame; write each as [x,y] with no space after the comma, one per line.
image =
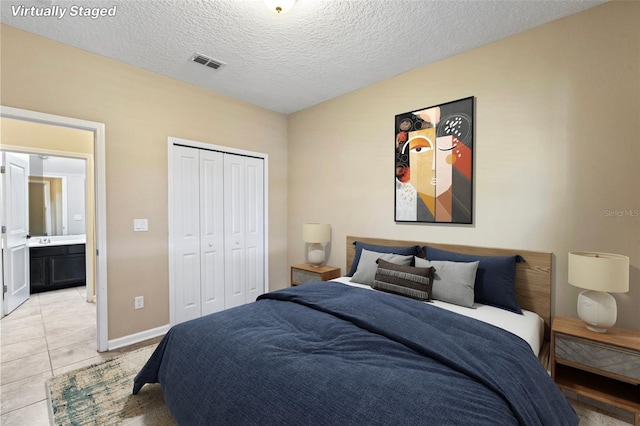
[434,167]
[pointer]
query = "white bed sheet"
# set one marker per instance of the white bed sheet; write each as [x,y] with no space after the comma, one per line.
[529,326]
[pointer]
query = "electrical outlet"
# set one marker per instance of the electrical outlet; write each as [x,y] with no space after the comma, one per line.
[139,302]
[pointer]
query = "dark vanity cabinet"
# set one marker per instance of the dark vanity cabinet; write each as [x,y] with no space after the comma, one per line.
[56,267]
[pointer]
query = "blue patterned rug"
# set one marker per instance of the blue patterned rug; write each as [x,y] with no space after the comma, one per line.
[101,395]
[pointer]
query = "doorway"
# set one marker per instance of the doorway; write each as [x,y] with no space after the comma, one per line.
[96,207]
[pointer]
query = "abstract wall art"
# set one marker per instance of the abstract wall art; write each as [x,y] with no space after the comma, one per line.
[434,163]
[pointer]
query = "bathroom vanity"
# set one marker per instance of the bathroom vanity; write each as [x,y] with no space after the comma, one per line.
[57,263]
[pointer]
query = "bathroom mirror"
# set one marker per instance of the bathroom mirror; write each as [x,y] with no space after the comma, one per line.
[56,196]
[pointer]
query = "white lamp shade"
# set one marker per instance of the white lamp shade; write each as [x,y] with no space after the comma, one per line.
[599,271]
[316,233]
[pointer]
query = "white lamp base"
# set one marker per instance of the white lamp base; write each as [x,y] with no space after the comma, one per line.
[315,255]
[597,309]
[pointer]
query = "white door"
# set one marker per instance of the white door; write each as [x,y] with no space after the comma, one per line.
[15,247]
[186,234]
[198,232]
[244,229]
[211,231]
[235,232]
[254,228]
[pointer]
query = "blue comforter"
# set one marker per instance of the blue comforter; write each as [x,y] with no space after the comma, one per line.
[329,354]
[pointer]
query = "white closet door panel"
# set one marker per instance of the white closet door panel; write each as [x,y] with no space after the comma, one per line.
[212,231]
[212,281]
[187,294]
[254,228]
[235,278]
[234,218]
[187,183]
[212,196]
[186,234]
[254,288]
[234,195]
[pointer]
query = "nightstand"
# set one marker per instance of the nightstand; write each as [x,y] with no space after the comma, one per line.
[304,273]
[604,367]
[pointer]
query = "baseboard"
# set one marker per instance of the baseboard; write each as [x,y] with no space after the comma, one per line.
[138,337]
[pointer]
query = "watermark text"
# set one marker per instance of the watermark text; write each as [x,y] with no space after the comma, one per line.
[60,12]
[622,213]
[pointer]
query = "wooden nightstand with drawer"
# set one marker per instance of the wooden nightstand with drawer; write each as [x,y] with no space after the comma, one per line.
[604,367]
[305,273]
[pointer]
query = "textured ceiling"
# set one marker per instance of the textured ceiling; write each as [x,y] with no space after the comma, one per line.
[317,51]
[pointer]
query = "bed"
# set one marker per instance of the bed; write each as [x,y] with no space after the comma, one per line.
[532,283]
[328,353]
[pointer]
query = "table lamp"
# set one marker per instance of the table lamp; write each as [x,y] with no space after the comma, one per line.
[598,273]
[316,235]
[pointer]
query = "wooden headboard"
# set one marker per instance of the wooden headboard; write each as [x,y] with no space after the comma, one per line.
[533,275]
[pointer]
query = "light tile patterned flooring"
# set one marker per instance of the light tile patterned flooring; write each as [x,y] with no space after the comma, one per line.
[52,333]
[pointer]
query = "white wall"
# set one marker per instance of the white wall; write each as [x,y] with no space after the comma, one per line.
[75,205]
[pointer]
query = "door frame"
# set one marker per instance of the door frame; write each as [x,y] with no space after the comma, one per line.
[100,223]
[171,141]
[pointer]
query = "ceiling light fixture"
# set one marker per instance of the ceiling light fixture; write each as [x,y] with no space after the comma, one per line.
[279,6]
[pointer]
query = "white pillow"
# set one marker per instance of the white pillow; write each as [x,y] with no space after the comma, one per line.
[367,266]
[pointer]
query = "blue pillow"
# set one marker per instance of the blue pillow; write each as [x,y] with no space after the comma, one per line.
[405,251]
[495,278]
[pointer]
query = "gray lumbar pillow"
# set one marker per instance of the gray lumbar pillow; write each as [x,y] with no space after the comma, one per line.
[453,282]
[367,266]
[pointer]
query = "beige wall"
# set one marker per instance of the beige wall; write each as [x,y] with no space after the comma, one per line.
[557,146]
[140,110]
[26,134]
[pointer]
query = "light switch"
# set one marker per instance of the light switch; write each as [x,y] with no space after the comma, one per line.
[140,225]
[77,217]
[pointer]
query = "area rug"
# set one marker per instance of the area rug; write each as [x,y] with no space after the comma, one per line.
[592,415]
[101,394]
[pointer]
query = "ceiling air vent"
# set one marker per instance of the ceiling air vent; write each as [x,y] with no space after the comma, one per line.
[207,61]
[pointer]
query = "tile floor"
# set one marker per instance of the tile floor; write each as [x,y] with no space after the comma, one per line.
[51,333]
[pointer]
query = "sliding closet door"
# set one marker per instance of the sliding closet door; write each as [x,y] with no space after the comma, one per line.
[186,233]
[244,229]
[212,231]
